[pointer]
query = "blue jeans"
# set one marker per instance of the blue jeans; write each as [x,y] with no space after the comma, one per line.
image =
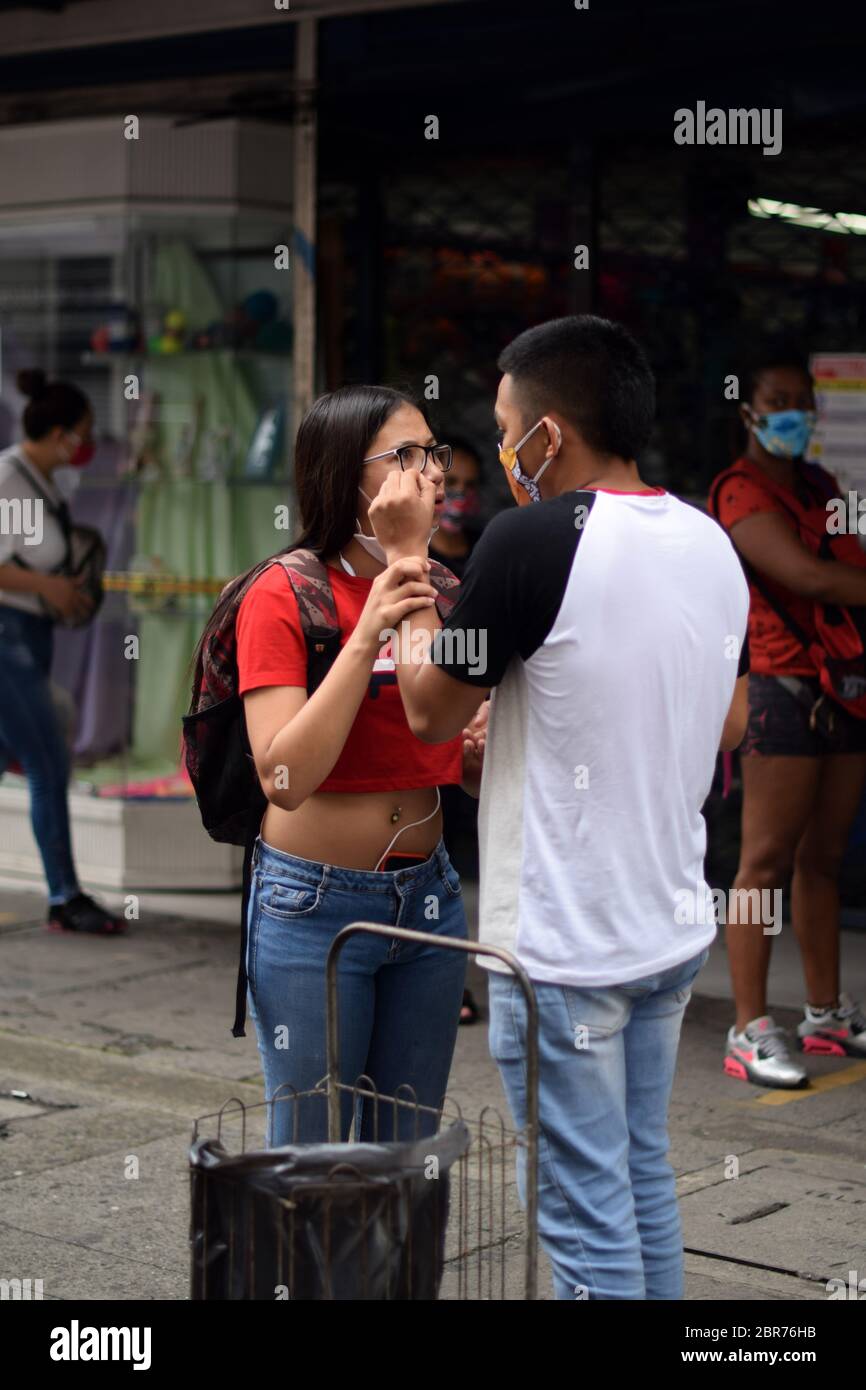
[30,732]
[607,1207]
[398,1003]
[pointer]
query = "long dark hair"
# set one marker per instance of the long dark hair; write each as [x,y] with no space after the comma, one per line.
[332,439]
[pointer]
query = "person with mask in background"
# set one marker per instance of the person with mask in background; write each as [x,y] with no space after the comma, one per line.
[613,618]
[459,525]
[34,593]
[458,517]
[802,783]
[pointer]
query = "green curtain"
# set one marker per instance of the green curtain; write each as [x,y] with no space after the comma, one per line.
[180,281]
[198,530]
[187,524]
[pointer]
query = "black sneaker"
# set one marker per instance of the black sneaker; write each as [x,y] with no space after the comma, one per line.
[81,913]
[469,1010]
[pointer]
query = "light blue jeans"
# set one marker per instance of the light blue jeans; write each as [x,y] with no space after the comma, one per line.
[398,1001]
[607,1207]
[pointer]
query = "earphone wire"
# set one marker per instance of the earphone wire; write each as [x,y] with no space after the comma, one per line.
[410,826]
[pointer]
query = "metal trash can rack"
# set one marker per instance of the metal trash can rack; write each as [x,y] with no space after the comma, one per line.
[427,1217]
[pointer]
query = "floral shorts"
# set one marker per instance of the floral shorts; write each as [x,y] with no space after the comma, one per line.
[779,724]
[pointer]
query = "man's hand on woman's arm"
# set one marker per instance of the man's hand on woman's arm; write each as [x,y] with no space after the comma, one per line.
[474,741]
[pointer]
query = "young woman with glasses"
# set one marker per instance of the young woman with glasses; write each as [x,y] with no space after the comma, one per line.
[352,831]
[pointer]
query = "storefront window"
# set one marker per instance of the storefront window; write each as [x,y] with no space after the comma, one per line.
[176,322]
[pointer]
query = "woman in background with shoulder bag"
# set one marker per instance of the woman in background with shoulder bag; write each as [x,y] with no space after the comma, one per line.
[803,758]
[37,541]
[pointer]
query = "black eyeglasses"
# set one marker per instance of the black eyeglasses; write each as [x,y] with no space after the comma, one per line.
[416,456]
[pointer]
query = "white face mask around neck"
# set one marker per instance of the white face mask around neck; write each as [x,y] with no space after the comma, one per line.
[371,544]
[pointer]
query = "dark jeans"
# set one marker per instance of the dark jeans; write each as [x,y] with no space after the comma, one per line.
[30,732]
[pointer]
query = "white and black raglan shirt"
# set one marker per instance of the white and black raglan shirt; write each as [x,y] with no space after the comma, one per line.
[613,628]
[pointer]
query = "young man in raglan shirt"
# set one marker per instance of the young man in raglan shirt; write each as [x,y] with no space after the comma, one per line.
[614,617]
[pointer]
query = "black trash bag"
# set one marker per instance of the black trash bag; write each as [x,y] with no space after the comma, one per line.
[322,1221]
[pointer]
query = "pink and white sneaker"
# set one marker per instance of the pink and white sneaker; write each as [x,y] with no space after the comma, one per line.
[760,1054]
[839,1032]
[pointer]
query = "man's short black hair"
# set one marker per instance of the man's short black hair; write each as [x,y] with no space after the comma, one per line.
[592,372]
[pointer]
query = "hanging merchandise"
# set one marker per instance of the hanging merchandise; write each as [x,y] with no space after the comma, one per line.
[143,458]
[266,447]
[216,455]
[187,442]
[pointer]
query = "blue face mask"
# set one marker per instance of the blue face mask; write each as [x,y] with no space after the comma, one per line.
[784,433]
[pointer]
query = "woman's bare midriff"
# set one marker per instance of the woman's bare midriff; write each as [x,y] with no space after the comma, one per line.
[353,829]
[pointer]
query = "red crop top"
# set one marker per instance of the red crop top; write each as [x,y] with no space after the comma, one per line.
[381,753]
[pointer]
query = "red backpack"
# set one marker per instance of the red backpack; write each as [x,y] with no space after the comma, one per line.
[216,748]
[838,647]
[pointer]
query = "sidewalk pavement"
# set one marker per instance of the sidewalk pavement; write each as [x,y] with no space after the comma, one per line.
[118,1044]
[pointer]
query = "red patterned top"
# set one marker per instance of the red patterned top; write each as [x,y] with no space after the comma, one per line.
[381,753]
[744,491]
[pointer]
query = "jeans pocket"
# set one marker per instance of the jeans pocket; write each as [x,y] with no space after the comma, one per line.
[596,1012]
[505,1036]
[451,879]
[287,901]
[683,992]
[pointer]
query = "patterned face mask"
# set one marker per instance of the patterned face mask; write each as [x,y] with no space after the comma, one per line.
[458,508]
[784,433]
[515,474]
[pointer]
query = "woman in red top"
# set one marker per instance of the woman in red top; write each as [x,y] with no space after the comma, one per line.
[801,789]
[352,831]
